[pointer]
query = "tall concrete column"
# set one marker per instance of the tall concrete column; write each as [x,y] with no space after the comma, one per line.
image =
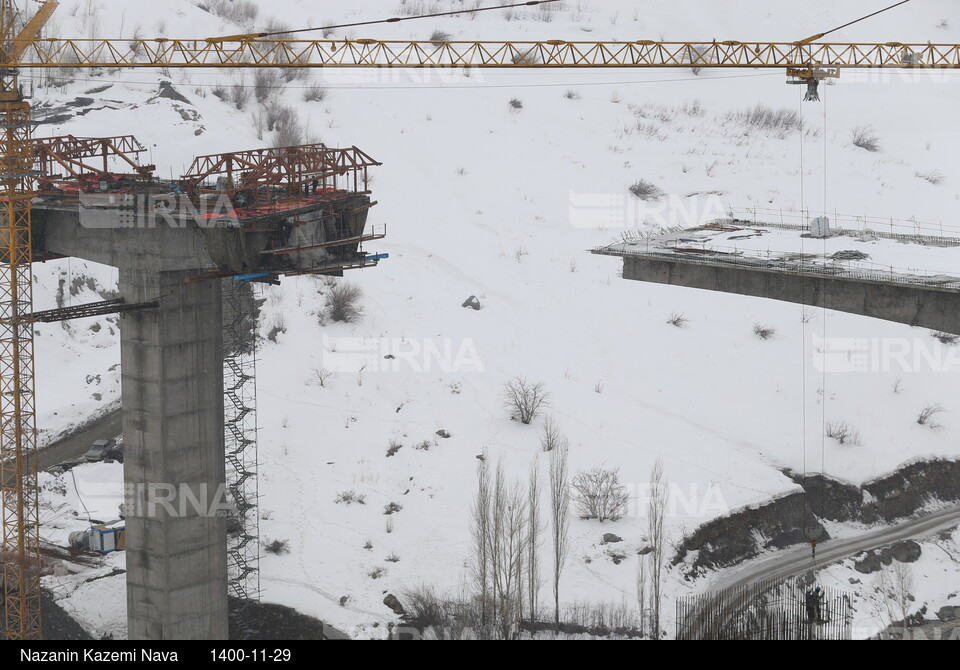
[172,377]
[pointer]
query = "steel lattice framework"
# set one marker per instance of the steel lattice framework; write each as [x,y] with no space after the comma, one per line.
[291,167]
[75,155]
[245,51]
[240,443]
[18,434]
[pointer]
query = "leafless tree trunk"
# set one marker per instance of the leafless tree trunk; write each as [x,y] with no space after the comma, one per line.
[259,123]
[520,561]
[480,530]
[658,506]
[560,513]
[550,435]
[508,543]
[534,528]
[903,587]
[494,541]
[896,583]
[642,592]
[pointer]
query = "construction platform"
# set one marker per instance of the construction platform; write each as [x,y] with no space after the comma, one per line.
[873,274]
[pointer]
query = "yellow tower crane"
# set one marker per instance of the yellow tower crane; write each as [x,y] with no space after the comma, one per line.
[806,61]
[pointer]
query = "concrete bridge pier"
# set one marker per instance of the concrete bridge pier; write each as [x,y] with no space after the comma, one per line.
[172,378]
[172,387]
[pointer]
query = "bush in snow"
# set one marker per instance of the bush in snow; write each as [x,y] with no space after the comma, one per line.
[392,508]
[598,494]
[551,436]
[314,93]
[322,375]
[934,177]
[290,133]
[843,432]
[763,332]
[265,82]
[393,448]
[678,319]
[349,497]
[925,418]
[646,191]
[342,302]
[865,138]
[240,95]
[425,607]
[781,120]
[946,338]
[524,399]
[516,104]
[277,547]
[242,12]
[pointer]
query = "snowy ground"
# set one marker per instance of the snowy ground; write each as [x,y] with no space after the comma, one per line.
[485,199]
[932,579]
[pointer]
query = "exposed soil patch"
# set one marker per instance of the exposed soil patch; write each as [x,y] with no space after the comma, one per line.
[783,522]
[731,539]
[265,621]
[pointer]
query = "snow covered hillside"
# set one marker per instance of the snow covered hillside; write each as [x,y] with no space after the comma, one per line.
[483,178]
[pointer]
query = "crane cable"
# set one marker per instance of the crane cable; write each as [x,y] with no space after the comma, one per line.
[395,19]
[803,340]
[818,36]
[823,368]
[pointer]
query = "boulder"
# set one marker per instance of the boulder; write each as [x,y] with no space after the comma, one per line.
[393,603]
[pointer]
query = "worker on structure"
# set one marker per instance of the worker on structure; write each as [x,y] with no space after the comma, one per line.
[810,606]
[818,604]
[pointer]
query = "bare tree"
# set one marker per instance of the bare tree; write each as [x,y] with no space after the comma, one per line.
[507,546]
[560,513]
[534,528]
[289,133]
[642,591]
[896,585]
[599,494]
[480,530]
[524,399]
[343,302]
[550,435]
[259,123]
[499,527]
[265,83]
[658,506]
[240,95]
